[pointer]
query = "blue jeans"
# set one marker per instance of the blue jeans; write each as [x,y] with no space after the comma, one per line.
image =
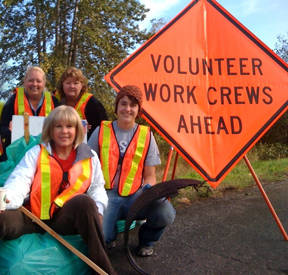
[158,215]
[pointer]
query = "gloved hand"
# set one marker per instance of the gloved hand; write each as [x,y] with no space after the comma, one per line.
[146,186]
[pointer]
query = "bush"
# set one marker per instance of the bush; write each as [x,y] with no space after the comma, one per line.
[265,151]
[278,132]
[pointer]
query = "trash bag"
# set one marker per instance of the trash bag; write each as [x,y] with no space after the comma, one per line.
[15,152]
[42,254]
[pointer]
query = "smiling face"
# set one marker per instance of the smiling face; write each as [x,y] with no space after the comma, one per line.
[34,84]
[127,111]
[72,87]
[63,135]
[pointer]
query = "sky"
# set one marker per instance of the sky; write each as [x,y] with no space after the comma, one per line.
[264,18]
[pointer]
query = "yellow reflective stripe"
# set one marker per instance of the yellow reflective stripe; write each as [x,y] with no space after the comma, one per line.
[20,101]
[81,101]
[57,95]
[105,152]
[60,200]
[45,185]
[136,160]
[47,103]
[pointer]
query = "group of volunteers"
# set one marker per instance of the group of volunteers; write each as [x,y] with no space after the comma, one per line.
[79,188]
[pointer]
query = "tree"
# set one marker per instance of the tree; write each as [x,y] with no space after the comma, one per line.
[93,35]
[282,47]
[278,133]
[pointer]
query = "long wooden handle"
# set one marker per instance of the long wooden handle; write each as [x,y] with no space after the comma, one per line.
[62,241]
[26,128]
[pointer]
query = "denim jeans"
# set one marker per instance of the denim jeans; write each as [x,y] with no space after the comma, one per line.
[158,215]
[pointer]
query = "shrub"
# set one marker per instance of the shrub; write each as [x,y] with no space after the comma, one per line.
[265,151]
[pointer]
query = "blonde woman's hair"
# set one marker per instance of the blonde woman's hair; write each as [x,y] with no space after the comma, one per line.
[76,74]
[35,68]
[60,114]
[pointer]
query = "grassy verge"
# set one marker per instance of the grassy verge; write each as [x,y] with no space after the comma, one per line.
[239,177]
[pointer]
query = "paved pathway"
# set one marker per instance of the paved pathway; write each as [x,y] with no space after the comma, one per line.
[235,234]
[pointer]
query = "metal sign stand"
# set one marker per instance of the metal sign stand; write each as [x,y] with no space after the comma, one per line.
[262,191]
[271,208]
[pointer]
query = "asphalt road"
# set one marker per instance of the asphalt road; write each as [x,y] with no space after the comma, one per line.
[234,234]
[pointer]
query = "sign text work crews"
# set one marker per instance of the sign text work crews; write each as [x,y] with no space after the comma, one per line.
[221,95]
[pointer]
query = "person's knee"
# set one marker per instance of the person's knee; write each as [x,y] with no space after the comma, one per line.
[162,215]
[11,225]
[82,203]
[167,216]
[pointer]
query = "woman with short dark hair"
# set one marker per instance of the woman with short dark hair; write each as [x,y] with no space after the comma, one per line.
[72,90]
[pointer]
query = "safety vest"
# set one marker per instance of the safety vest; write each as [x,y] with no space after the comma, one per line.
[81,104]
[21,104]
[133,160]
[47,181]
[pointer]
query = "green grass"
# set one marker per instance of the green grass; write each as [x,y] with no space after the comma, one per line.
[238,178]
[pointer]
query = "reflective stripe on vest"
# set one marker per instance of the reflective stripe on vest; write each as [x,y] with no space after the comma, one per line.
[139,152]
[108,153]
[133,161]
[76,187]
[20,101]
[21,104]
[45,186]
[80,106]
[47,181]
[104,153]
[57,95]
[47,103]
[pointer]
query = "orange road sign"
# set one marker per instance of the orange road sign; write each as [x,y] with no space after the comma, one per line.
[211,88]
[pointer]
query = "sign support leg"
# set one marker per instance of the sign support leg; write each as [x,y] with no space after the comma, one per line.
[168,164]
[175,165]
[266,198]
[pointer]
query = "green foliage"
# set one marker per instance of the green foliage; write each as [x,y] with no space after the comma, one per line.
[93,35]
[282,47]
[266,151]
[278,133]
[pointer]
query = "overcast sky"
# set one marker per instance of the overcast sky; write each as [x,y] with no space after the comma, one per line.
[264,18]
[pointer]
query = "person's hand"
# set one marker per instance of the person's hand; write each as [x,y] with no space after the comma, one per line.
[146,186]
[101,219]
[7,201]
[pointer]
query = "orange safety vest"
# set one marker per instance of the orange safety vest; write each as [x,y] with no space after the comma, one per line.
[133,160]
[47,181]
[81,104]
[21,104]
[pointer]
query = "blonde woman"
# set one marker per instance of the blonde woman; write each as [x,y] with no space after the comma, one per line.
[63,181]
[31,98]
